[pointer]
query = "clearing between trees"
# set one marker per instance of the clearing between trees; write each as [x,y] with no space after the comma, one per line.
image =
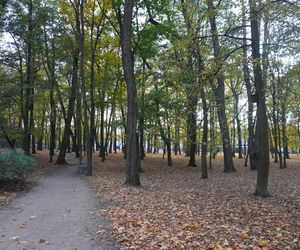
[176,209]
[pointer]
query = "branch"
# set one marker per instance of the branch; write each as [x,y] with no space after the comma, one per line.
[151,19]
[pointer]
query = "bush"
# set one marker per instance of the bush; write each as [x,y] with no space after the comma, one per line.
[14,169]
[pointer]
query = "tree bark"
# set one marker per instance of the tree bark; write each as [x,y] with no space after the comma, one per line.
[274,117]
[72,97]
[220,92]
[87,135]
[102,146]
[192,130]
[132,158]
[41,137]
[166,138]
[246,71]
[204,136]
[52,120]
[28,83]
[262,119]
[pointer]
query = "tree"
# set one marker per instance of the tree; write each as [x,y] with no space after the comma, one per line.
[28,85]
[220,90]
[262,141]
[132,157]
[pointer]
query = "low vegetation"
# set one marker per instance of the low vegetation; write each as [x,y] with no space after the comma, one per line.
[14,169]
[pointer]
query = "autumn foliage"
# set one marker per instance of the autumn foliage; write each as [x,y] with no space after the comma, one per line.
[176,209]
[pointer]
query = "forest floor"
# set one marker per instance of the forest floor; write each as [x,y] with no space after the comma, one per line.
[176,209]
[173,209]
[59,212]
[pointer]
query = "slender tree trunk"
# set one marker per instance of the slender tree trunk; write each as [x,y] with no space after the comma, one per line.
[262,119]
[166,138]
[192,95]
[79,91]
[212,135]
[149,136]
[238,123]
[41,137]
[52,122]
[279,141]
[32,122]
[220,92]
[75,147]
[233,136]
[284,136]
[246,70]
[87,141]
[102,148]
[204,136]
[141,137]
[239,130]
[177,135]
[191,131]
[28,83]
[169,149]
[92,103]
[72,97]
[132,159]
[275,121]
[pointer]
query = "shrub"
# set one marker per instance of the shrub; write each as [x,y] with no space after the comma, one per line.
[14,169]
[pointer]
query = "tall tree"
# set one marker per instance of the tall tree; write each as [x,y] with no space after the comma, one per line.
[28,82]
[132,157]
[72,98]
[262,142]
[251,153]
[220,90]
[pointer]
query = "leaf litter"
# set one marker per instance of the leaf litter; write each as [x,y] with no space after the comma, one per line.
[176,209]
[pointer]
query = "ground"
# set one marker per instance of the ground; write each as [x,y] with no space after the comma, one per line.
[176,209]
[173,209]
[60,212]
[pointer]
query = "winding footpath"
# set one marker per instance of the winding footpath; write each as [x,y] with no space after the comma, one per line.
[59,213]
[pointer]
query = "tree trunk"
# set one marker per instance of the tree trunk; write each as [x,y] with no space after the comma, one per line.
[204,136]
[284,136]
[132,158]
[246,71]
[212,135]
[87,136]
[279,142]
[262,119]
[28,83]
[166,138]
[42,126]
[239,130]
[191,130]
[275,121]
[177,136]
[32,122]
[141,137]
[66,136]
[79,83]
[102,147]
[220,92]
[52,121]
[115,140]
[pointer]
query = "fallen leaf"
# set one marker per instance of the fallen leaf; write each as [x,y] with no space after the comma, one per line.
[32,217]
[15,238]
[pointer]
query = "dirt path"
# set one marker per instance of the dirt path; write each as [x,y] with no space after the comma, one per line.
[59,213]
